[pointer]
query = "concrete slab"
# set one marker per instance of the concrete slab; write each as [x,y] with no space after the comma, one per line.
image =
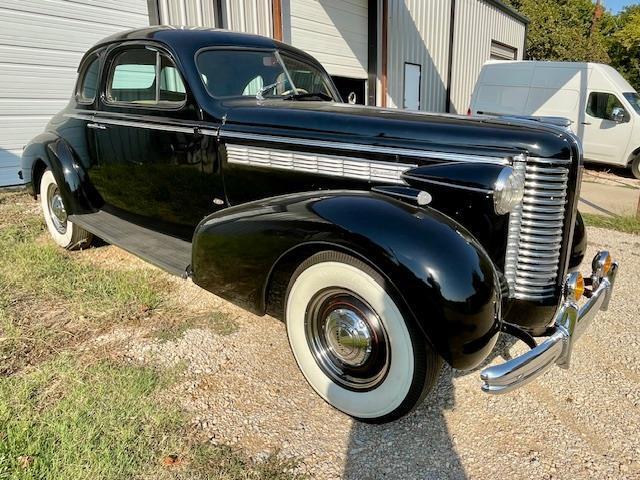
[608,198]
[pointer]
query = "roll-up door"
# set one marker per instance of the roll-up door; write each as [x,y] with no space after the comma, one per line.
[334,32]
[41,44]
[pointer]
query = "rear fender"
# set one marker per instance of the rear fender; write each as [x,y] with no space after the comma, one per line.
[442,275]
[59,157]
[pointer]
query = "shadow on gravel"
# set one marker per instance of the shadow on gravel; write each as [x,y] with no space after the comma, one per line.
[418,446]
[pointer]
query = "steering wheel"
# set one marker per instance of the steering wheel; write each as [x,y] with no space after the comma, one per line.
[292,92]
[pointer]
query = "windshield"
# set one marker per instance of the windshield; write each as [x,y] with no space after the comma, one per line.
[234,73]
[634,99]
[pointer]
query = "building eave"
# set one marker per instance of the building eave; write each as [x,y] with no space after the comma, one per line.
[509,10]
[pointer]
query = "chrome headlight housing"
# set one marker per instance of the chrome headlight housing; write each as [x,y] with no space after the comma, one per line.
[507,191]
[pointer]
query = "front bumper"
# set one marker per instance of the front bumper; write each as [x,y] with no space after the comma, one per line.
[570,322]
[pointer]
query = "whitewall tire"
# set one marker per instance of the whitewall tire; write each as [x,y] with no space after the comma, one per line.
[64,232]
[353,343]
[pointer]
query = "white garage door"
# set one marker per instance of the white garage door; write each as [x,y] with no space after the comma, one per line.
[334,32]
[41,43]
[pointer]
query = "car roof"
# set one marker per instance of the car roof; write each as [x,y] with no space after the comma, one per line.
[194,38]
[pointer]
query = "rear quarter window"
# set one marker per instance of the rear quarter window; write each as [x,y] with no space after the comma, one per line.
[146,77]
[88,84]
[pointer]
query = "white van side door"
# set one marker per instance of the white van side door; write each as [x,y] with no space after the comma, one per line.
[604,138]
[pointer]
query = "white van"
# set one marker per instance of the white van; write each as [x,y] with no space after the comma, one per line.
[603,108]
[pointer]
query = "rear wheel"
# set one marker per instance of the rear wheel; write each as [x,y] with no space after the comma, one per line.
[635,166]
[352,342]
[64,232]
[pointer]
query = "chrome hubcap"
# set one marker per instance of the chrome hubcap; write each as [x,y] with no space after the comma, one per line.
[57,211]
[347,339]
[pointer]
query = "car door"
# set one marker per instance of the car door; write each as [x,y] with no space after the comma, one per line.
[155,165]
[605,139]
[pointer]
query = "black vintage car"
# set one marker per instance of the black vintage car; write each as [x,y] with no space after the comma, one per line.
[388,241]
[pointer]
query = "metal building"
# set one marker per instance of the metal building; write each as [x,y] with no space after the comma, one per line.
[418,54]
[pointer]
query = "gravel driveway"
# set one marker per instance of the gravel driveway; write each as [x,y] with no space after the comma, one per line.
[245,389]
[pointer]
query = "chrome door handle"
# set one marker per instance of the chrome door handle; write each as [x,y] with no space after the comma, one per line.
[98,126]
[586,123]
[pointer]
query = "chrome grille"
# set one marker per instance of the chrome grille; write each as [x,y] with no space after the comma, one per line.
[536,228]
[332,165]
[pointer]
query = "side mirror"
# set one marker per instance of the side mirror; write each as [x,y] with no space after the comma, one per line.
[351,99]
[617,115]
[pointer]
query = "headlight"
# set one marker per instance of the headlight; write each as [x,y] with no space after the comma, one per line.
[507,191]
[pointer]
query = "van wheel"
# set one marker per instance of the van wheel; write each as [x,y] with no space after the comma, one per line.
[64,232]
[352,342]
[635,166]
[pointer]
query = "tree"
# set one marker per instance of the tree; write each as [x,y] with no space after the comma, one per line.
[624,44]
[561,30]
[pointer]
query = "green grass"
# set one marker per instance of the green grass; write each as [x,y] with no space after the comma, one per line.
[627,224]
[107,421]
[44,269]
[66,420]
[49,299]
[78,414]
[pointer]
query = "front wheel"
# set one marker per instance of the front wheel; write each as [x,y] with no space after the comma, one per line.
[64,232]
[635,166]
[352,342]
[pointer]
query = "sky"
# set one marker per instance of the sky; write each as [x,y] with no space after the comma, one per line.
[616,5]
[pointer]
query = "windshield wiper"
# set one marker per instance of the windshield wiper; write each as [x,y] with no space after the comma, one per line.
[310,95]
[261,92]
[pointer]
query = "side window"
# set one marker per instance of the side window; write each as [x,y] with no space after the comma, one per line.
[89,82]
[171,87]
[601,105]
[133,78]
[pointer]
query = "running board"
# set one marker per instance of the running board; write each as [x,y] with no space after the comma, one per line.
[164,251]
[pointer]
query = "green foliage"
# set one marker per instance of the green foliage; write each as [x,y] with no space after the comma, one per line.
[624,47]
[562,31]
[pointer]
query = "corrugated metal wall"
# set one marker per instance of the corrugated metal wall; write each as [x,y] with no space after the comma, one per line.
[477,23]
[40,47]
[333,31]
[251,16]
[201,13]
[419,33]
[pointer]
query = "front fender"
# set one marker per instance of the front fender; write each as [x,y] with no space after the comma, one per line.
[442,274]
[59,157]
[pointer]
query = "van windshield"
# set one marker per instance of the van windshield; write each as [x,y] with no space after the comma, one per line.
[634,99]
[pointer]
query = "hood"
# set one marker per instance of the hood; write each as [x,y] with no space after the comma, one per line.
[340,122]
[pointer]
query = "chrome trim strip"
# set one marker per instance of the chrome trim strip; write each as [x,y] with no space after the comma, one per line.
[355,147]
[79,116]
[142,124]
[448,184]
[152,126]
[331,165]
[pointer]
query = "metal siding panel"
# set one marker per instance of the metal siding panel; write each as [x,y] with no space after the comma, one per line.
[198,13]
[477,23]
[41,44]
[250,16]
[419,33]
[334,32]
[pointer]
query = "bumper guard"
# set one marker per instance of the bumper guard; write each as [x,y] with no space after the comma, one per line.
[570,322]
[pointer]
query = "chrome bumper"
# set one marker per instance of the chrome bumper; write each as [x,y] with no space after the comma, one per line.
[570,322]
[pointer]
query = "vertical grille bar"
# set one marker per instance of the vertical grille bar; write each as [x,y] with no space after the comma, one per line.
[536,229]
